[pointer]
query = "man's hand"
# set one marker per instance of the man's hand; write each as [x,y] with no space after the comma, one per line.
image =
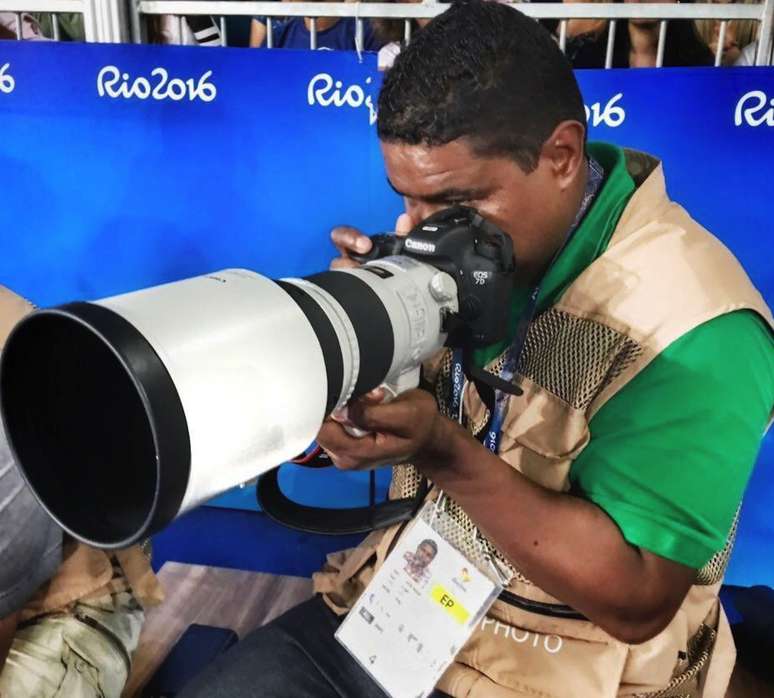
[410,426]
[629,592]
[350,240]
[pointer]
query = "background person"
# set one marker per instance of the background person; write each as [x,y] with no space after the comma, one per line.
[333,33]
[636,45]
[740,33]
[391,33]
[70,616]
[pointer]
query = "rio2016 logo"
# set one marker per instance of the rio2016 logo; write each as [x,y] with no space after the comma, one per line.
[7,83]
[111,82]
[754,109]
[611,114]
[327,92]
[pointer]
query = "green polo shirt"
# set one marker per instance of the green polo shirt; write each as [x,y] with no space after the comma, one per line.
[670,454]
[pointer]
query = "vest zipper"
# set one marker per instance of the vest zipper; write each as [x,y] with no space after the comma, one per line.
[553,610]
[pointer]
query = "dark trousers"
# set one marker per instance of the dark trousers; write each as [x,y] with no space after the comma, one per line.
[294,656]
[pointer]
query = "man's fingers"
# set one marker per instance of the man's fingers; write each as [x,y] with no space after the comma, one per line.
[374,397]
[348,240]
[398,417]
[349,452]
[403,225]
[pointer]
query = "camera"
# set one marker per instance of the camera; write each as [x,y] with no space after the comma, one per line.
[146,404]
[476,254]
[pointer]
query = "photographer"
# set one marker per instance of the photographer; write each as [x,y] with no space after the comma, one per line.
[608,490]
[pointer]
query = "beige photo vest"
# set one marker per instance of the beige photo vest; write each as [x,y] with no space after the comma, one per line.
[84,572]
[661,276]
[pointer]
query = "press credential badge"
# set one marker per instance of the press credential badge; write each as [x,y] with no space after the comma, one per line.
[420,608]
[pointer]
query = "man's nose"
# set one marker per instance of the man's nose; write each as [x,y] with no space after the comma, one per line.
[418,210]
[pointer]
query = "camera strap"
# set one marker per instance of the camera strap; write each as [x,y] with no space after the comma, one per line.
[279,507]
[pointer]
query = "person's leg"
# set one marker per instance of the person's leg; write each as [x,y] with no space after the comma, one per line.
[294,656]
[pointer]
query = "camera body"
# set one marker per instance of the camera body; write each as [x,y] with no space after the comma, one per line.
[476,254]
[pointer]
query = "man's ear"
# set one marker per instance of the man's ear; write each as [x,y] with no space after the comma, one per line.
[564,150]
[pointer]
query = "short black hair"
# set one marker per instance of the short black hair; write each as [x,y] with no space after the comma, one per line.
[430,543]
[483,71]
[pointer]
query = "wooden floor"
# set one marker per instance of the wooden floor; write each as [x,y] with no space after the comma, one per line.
[214,596]
[243,601]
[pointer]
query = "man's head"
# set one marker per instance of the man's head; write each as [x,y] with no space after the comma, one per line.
[426,552]
[483,109]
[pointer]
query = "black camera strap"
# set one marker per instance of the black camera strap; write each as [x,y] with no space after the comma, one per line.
[280,508]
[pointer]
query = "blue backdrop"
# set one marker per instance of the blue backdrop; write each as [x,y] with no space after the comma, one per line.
[126,166]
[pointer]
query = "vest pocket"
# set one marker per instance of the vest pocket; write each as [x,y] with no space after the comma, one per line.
[94,664]
[691,664]
[531,654]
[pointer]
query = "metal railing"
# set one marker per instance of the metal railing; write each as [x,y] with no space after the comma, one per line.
[613,12]
[114,20]
[53,8]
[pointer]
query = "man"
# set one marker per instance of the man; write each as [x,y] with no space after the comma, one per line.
[332,33]
[636,45]
[648,378]
[70,616]
[31,543]
[417,563]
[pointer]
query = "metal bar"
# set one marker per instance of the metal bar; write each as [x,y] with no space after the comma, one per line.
[407,31]
[134,17]
[764,54]
[41,6]
[313,33]
[57,35]
[18,26]
[223,30]
[540,10]
[269,33]
[99,21]
[123,23]
[115,21]
[89,20]
[610,44]
[180,34]
[358,33]
[563,35]
[721,43]
[662,30]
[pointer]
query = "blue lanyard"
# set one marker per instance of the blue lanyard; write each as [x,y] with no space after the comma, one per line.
[494,430]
